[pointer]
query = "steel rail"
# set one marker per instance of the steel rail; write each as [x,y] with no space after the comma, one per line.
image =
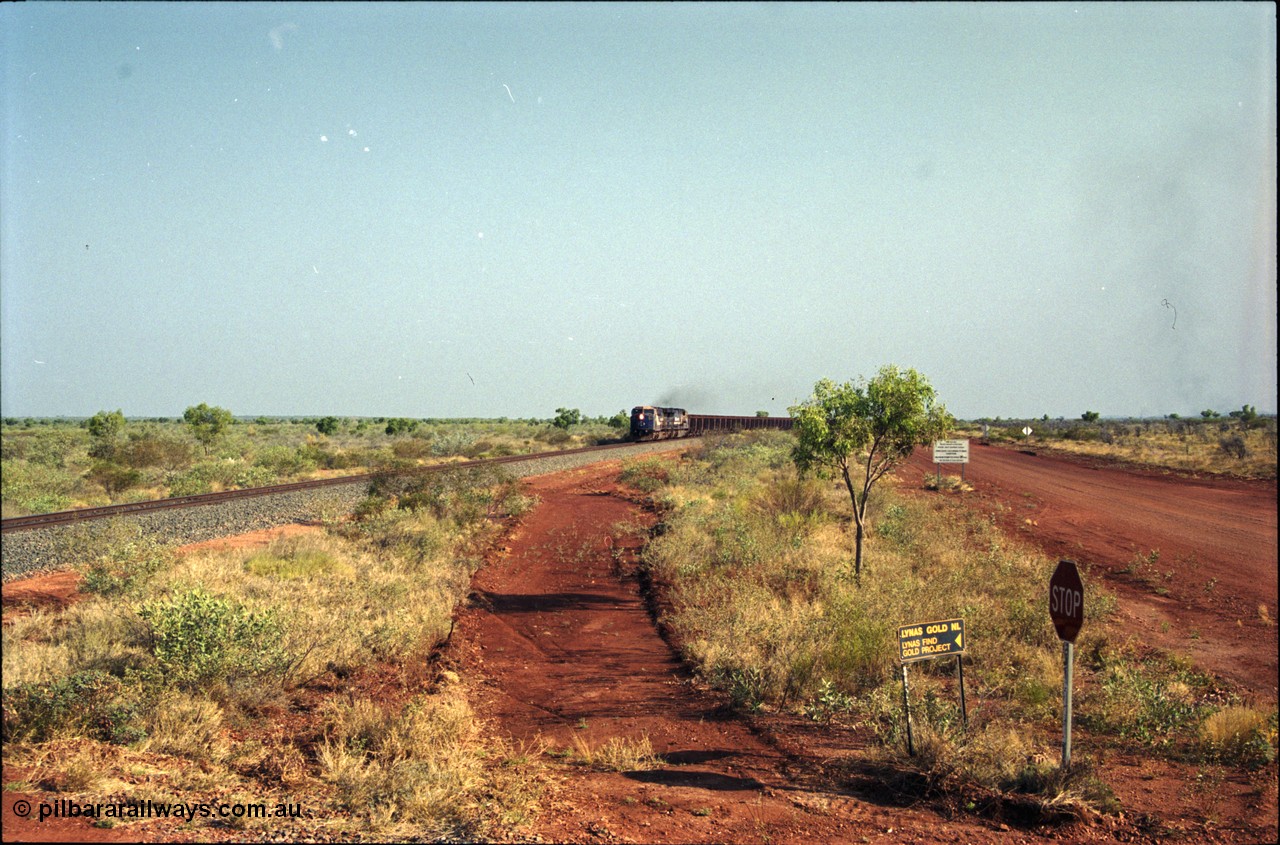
[698,425]
[45,520]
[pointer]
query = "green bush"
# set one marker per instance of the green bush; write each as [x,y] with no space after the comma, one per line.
[465,496]
[122,568]
[150,450]
[284,460]
[200,639]
[113,477]
[644,474]
[35,488]
[1150,703]
[87,703]
[201,477]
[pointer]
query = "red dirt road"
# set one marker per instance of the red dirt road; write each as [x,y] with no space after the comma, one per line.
[1210,593]
[568,652]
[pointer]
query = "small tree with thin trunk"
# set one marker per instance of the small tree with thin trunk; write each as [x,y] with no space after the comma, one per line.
[207,423]
[863,431]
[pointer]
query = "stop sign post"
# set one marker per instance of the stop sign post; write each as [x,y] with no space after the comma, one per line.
[1066,609]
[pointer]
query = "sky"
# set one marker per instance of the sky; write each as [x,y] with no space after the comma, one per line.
[472,210]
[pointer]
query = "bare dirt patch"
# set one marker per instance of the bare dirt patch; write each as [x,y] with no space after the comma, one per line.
[49,591]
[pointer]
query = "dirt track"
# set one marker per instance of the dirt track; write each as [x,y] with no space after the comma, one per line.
[566,650]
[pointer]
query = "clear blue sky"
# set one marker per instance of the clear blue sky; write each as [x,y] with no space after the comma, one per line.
[497,210]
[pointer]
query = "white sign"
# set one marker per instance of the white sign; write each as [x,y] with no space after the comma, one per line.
[951,451]
[1026,431]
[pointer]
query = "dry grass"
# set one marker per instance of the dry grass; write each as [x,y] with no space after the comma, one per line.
[92,680]
[1239,735]
[1188,447]
[773,617]
[616,754]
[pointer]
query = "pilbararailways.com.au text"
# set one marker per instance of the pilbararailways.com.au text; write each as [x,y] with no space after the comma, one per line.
[64,808]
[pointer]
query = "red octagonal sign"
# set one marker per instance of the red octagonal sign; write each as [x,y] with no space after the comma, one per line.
[1066,600]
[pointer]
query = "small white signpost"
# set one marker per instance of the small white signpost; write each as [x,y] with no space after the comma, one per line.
[950,452]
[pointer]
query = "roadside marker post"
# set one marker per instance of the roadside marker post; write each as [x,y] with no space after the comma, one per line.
[925,641]
[1066,609]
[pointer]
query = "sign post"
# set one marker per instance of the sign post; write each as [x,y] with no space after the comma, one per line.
[1066,609]
[950,452]
[925,641]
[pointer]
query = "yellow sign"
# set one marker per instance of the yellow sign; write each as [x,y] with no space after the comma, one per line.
[926,640]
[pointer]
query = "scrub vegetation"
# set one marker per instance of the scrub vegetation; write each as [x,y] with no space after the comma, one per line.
[299,672]
[1242,443]
[757,571]
[61,464]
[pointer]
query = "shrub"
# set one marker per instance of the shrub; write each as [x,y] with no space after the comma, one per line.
[317,455]
[122,568]
[412,449]
[1145,702]
[88,703]
[113,477]
[465,496]
[554,436]
[785,497]
[284,460]
[35,488]
[400,425]
[644,474]
[1234,446]
[202,477]
[200,639]
[149,450]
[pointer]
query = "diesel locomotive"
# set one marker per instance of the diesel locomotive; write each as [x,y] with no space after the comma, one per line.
[652,423]
[649,422]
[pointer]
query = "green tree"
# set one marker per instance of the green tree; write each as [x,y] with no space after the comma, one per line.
[327,426]
[1210,414]
[870,427]
[105,427]
[1090,416]
[1247,414]
[619,420]
[207,423]
[106,424]
[400,425]
[762,414]
[567,417]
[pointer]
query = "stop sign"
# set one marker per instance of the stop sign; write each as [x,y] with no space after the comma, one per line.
[1066,600]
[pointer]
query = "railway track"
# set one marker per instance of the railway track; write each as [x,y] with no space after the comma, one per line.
[48,541]
[44,520]
[699,424]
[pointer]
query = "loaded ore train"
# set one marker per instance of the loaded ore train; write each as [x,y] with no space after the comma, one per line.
[649,422]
